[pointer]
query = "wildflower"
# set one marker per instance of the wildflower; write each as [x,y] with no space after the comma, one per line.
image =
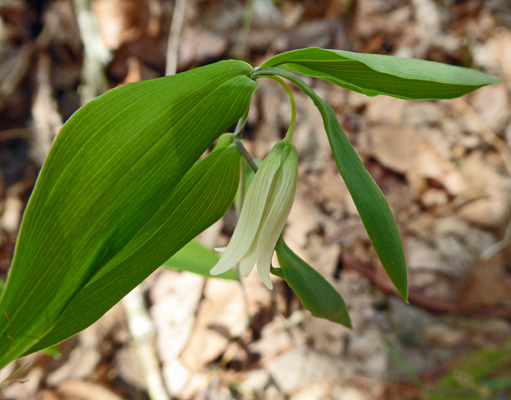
[263,215]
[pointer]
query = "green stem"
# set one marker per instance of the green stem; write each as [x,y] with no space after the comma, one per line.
[245,154]
[241,188]
[241,125]
[237,140]
[289,133]
[268,72]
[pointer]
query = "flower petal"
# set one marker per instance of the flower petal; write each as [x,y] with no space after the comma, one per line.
[274,221]
[251,213]
[248,261]
[264,273]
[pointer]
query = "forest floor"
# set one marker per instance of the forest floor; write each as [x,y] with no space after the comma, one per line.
[444,166]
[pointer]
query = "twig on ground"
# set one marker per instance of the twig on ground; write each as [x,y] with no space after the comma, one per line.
[96,55]
[499,246]
[18,133]
[505,153]
[434,305]
[16,74]
[486,133]
[174,34]
[13,377]
[143,333]
[47,120]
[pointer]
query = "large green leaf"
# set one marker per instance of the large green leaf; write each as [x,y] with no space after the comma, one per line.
[373,74]
[199,259]
[314,291]
[201,198]
[113,168]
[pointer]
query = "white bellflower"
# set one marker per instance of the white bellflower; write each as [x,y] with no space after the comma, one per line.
[264,213]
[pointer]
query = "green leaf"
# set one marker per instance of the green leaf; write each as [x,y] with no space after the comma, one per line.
[203,195]
[374,74]
[109,184]
[197,258]
[371,204]
[367,196]
[314,291]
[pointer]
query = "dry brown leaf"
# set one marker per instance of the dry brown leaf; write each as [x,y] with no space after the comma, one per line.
[121,21]
[494,54]
[221,317]
[197,46]
[489,197]
[491,104]
[175,299]
[489,284]
[408,151]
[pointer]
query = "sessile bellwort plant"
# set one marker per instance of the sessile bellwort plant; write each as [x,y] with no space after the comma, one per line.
[124,190]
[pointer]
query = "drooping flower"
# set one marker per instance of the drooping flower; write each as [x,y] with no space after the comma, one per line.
[264,213]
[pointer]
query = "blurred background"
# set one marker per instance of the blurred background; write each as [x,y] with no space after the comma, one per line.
[444,166]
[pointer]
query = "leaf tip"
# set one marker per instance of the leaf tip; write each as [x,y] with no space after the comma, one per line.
[344,319]
[403,291]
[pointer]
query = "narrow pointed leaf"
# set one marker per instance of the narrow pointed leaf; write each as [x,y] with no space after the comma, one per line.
[374,74]
[197,258]
[113,168]
[367,196]
[315,292]
[203,195]
[371,204]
